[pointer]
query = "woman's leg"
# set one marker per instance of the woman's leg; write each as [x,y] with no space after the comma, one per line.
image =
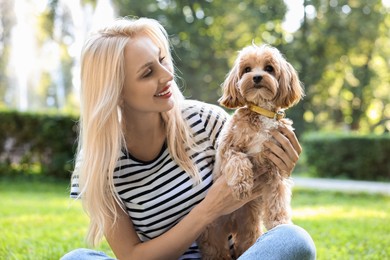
[85,254]
[282,242]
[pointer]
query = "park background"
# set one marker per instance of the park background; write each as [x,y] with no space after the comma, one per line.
[339,47]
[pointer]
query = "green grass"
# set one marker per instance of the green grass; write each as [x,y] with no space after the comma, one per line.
[38,221]
[345,225]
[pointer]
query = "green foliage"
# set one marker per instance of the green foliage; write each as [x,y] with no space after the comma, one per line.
[340,51]
[348,156]
[36,143]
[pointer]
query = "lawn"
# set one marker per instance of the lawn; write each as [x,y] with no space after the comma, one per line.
[38,221]
[345,225]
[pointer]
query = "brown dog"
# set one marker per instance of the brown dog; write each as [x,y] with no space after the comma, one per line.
[261,85]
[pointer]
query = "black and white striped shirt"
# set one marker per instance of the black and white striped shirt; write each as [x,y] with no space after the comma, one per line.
[158,193]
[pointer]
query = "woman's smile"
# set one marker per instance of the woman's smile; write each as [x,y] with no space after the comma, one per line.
[165,93]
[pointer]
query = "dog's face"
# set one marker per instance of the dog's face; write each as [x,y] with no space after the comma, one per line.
[261,75]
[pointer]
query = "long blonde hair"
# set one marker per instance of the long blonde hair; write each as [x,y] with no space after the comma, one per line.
[101,137]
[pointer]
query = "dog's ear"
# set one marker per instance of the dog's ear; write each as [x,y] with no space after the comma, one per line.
[290,88]
[231,96]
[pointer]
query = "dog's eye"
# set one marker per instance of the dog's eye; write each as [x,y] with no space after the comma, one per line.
[247,69]
[269,69]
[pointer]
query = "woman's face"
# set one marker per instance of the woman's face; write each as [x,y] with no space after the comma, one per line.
[148,77]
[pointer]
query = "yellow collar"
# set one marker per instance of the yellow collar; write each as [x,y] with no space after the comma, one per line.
[278,115]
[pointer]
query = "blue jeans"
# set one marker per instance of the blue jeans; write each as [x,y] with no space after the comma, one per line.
[284,242]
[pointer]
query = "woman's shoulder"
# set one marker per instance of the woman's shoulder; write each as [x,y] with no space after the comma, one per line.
[204,118]
[190,106]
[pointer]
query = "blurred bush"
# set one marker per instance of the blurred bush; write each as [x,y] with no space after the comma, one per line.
[37,143]
[348,156]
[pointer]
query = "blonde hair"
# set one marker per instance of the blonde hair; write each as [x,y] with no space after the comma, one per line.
[101,137]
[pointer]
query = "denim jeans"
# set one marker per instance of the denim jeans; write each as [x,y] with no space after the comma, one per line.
[284,242]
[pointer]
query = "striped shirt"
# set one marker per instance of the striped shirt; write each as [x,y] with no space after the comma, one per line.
[159,193]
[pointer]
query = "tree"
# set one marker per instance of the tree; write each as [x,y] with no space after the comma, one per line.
[343,43]
[7,20]
[54,27]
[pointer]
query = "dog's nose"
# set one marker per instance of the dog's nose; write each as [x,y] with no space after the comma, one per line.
[257,79]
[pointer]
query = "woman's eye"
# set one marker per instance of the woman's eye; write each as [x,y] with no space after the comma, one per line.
[147,73]
[269,68]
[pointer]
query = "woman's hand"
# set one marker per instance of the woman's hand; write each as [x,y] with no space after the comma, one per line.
[221,201]
[286,153]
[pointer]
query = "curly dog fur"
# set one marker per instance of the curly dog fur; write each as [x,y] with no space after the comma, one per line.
[262,77]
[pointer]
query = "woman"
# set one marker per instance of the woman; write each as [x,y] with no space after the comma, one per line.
[146,155]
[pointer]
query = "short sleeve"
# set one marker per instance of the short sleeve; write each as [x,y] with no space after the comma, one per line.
[74,182]
[212,117]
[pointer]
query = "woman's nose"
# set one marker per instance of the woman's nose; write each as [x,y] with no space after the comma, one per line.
[166,74]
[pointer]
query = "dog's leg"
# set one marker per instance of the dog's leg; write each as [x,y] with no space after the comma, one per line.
[239,173]
[248,227]
[213,242]
[277,198]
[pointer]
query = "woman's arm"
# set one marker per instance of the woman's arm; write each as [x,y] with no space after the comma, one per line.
[125,243]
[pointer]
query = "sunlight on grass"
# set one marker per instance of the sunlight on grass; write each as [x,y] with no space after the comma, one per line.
[38,221]
[343,225]
[338,211]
